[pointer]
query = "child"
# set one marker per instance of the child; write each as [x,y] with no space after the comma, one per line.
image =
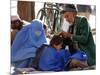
[51,58]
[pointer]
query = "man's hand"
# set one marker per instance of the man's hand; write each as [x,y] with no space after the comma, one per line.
[66,34]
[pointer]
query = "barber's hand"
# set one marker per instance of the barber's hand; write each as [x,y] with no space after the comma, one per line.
[66,34]
[62,34]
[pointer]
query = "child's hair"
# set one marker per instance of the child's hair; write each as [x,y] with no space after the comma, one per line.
[56,40]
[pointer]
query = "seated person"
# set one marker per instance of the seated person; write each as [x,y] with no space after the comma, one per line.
[53,58]
[26,42]
[16,25]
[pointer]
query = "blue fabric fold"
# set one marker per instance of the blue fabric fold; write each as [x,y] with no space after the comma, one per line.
[80,55]
[51,60]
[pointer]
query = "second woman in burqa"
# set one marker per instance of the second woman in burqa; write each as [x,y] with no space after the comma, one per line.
[27,40]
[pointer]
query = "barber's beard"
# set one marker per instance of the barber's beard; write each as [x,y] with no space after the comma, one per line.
[66,25]
[70,23]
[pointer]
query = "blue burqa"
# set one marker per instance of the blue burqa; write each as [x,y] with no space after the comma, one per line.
[52,60]
[28,39]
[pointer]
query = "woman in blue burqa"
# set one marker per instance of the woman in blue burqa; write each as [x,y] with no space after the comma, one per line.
[28,39]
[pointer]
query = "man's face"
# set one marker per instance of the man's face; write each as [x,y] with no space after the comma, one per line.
[69,16]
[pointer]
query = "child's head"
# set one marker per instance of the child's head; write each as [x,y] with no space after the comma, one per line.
[56,42]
